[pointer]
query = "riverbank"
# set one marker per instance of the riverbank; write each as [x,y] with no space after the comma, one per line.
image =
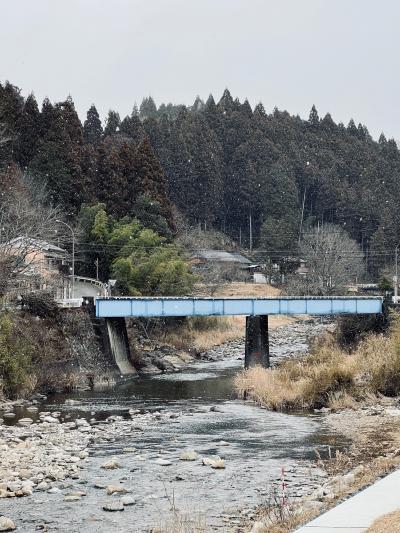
[330,376]
[365,458]
[51,471]
[46,349]
[146,425]
[69,476]
[347,389]
[50,352]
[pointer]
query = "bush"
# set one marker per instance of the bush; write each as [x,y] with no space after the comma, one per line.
[329,376]
[40,304]
[15,360]
[351,329]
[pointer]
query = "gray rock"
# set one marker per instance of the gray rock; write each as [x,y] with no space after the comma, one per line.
[117,489]
[128,500]
[163,462]
[113,506]
[25,421]
[112,464]
[6,524]
[43,486]
[214,461]
[188,455]
[50,420]
[72,498]
[13,486]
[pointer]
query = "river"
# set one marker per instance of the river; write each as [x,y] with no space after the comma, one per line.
[156,418]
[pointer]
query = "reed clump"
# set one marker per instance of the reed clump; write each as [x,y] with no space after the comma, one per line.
[329,376]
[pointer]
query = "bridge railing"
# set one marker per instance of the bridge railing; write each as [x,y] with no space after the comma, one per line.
[187,306]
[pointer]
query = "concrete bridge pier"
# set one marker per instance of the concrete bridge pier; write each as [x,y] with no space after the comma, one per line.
[257,341]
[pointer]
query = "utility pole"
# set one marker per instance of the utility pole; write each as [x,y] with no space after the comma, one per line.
[251,233]
[97,268]
[73,255]
[302,215]
[395,279]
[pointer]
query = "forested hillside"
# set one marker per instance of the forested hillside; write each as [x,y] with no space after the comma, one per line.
[221,164]
[225,163]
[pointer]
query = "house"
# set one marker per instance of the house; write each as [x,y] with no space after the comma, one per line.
[42,266]
[231,265]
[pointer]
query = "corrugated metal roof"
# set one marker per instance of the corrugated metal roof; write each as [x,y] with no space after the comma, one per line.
[222,256]
[35,243]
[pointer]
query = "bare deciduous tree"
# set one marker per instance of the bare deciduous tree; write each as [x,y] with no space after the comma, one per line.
[333,259]
[212,278]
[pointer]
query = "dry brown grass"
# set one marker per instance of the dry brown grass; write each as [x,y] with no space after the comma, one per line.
[241,290]
[277,520]
[389,523]
[182,523]
[202,334]
[205,333]
[238,290]
[303,383]
[329,376]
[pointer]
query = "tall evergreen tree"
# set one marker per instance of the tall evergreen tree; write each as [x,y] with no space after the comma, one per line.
[113,123]
[226,103]
[313,119]
[29,131]
[92,128]
[58,158]
[148,108]
[259,110]
[352,128]
[11,109]
[132,128]
[198,105]
[150,179]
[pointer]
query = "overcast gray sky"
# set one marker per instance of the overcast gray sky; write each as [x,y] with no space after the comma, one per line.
[341,55]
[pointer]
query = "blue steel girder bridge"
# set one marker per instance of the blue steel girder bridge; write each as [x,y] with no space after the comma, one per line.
[256,311]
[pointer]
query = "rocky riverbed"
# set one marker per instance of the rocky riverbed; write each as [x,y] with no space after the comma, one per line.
[131,458]
[286,342]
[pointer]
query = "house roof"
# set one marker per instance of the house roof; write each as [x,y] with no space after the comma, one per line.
[37,244]
[222,256]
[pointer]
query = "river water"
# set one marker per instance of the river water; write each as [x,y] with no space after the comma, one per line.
[193,409]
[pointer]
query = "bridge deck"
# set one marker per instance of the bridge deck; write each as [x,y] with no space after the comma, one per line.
[285,305]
